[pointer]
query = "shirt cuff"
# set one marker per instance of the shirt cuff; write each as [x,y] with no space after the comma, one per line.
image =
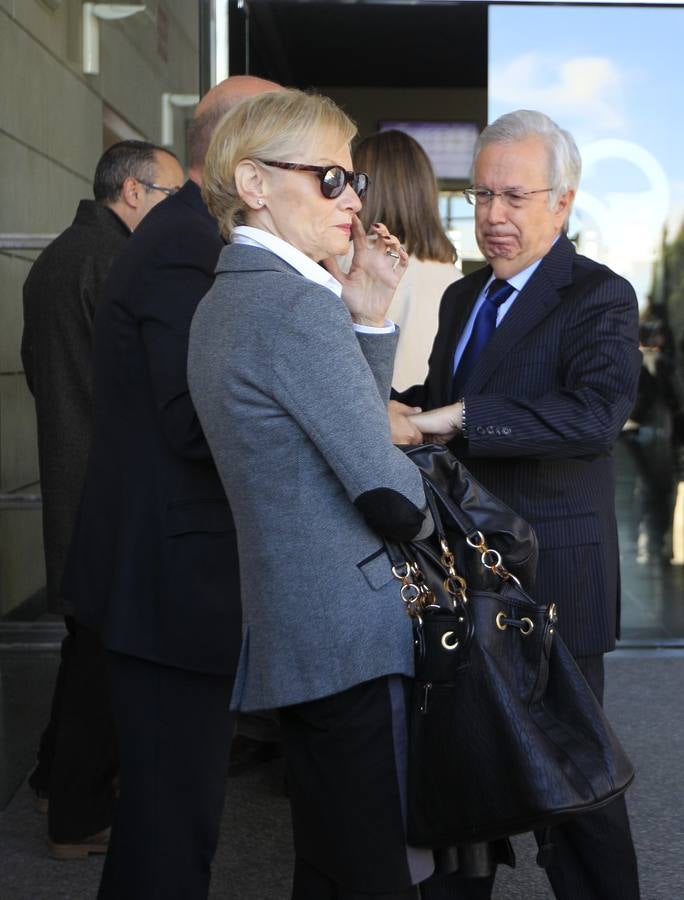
[387,328]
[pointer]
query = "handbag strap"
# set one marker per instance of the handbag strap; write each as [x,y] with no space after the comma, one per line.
[438,499]
[416,593]
[415,589]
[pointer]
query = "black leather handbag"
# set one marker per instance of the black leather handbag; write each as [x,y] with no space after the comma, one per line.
[506,736]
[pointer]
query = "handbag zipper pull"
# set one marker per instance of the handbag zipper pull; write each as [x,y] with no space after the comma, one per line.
[426,693]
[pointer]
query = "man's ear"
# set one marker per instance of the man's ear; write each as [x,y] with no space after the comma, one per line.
[564,203]
[251,184]
[132,192]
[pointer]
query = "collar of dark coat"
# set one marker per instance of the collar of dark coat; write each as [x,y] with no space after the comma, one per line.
[191,195]
[92,213]
[175,210]
[544,289]
[245,258]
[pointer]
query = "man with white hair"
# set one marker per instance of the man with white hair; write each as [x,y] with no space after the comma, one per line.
[533,372]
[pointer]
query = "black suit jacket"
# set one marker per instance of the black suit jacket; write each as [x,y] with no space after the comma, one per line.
[154,560]
[544,405]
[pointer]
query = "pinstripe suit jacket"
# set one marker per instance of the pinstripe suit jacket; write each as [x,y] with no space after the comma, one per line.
[544,405]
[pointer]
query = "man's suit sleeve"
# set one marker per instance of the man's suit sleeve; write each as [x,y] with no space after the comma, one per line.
[413,396]
[595,389]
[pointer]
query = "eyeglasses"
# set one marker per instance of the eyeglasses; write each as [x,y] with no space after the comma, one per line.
[151,186]
[334,179]
[511,196]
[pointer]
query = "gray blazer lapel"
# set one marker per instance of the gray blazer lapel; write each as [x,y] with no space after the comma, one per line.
[538,298]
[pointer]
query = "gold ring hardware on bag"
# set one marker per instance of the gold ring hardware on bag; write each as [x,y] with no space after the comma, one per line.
[553,617]
[454,584]
[455,587]
[476,540]
[415,592]
[445,641]
[491,559]
[447,556]
[525,625]
[401,571]
[418,577]
[528,626]
[410,592]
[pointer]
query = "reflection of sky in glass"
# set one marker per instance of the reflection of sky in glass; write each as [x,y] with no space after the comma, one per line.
[612,81]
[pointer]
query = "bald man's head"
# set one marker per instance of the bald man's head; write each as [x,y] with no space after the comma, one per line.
[212,107]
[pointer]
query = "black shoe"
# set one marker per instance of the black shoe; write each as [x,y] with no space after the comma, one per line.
[38,783]
[247,753]
[40,800]
[88,846]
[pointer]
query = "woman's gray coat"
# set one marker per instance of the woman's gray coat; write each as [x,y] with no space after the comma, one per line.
[293,405]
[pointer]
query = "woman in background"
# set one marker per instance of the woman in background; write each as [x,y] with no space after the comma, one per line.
[403,195]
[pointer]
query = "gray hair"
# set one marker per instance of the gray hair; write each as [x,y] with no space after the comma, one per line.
[565,163]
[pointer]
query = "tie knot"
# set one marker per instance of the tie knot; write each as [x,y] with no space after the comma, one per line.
[499,291]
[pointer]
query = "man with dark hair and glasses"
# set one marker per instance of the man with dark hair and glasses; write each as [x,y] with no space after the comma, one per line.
[154,565]
[77,756]
[533,373]
[132,177]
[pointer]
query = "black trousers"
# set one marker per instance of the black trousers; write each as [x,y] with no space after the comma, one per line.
[593,854]
[310,884]
[77,756]
[346,768]
[174,729]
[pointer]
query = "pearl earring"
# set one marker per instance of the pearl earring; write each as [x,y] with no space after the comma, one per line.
[260,202]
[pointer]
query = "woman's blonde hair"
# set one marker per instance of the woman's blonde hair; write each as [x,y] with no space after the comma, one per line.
[277,125]
[403,194]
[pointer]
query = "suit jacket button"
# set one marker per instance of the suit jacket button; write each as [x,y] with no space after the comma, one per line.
[506,429]
[497,430]
[490,429]
[480,429]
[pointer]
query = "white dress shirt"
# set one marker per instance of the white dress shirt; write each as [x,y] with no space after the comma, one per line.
[257,237]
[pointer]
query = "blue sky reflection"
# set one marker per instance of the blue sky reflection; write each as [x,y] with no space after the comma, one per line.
[609,75]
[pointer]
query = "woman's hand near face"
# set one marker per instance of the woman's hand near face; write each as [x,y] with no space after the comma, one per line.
[369,286]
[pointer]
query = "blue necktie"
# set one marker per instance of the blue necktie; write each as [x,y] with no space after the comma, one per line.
[484,327]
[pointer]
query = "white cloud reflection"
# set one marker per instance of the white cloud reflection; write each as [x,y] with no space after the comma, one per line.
[590,87]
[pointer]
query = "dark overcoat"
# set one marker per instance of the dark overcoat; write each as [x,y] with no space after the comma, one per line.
[61,293]
[154,564]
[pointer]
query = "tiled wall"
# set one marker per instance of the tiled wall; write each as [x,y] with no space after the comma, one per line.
[51,136]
